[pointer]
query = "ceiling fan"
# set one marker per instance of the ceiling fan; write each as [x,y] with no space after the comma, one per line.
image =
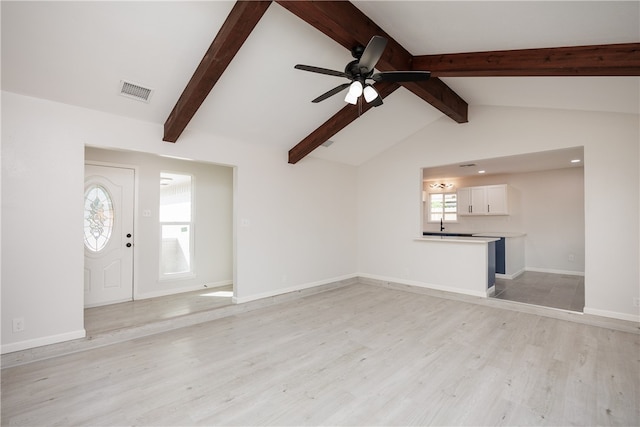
[360,72]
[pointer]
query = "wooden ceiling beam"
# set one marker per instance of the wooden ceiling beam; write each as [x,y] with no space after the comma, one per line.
[335,124]
[348,26]
[596,60]
[243,18]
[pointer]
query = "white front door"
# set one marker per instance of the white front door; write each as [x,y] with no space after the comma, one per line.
[108,235]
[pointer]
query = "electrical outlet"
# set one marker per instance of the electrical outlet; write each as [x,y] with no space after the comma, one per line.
[571,257]
[18,324]
[636,302]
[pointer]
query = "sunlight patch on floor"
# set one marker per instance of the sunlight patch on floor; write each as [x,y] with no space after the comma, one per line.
[220,294]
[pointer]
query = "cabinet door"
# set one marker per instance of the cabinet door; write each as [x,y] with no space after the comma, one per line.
[496,200]
[478,201]
[464,201]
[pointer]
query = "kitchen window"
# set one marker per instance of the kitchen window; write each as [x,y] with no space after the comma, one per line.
[443,206]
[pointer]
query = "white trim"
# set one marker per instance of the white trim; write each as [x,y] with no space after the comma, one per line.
[176,277]
[166,292]
[425,285]
[612,314]
[39,342]
[241,300]
[103,303]
[512,276]
[551,270]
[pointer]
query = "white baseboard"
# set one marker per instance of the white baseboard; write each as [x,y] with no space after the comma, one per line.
[39,342]
[166,292]
[550,270]
[423,285]
[276,292]
[612,314]
[510,276]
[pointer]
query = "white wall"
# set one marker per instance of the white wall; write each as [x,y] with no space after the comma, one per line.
[307,224]
[546,205]
[213,203]
[301,218]
[390,184]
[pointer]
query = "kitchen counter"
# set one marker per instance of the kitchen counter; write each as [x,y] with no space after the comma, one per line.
[464,263]
[458,239]
[509,248]
[498,234]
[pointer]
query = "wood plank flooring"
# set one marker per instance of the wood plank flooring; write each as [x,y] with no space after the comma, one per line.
[359,355]
[98,320]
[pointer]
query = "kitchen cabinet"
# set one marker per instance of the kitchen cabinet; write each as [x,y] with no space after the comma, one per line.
[483,200]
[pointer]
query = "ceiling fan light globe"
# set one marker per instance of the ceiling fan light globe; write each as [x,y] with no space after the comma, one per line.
[370,93]
[355,89]
[350,98]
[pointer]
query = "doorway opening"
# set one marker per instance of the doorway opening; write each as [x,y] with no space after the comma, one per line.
[545,200]
[156,293]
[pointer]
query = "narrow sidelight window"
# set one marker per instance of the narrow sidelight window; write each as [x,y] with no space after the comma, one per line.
[176,225]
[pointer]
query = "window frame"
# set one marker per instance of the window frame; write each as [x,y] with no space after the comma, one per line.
[430,212]
[191,273]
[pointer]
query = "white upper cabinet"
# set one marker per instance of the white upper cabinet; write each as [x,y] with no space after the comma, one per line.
[497,200]
[483,200]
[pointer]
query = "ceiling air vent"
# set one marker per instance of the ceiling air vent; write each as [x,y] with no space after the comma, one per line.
[134,91]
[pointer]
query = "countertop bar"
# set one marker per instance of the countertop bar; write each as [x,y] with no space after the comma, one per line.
[457,239]
[500,234]
[471,234]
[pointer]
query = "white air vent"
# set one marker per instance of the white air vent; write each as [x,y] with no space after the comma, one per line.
[135,91]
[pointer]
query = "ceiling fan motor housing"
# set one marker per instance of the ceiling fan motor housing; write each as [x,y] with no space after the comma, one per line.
[355,72]
[357,51]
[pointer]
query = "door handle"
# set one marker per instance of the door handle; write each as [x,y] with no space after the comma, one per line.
[129,235]
[128,245]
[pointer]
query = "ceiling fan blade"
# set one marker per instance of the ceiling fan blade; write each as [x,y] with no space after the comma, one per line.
[320,70]
[331,92]
[401,76]
[372,54]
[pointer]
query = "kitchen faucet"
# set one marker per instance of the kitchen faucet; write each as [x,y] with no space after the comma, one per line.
[441,225]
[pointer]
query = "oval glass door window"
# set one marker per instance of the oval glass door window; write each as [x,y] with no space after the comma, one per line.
[98,218]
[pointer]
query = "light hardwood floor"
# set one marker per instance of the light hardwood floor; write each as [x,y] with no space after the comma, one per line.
[359,355]
[98,320]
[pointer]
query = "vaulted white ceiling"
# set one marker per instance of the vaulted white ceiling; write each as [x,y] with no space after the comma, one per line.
[77,53]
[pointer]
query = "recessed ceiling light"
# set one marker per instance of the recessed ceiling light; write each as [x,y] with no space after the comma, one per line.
[481,171]
[575,161]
